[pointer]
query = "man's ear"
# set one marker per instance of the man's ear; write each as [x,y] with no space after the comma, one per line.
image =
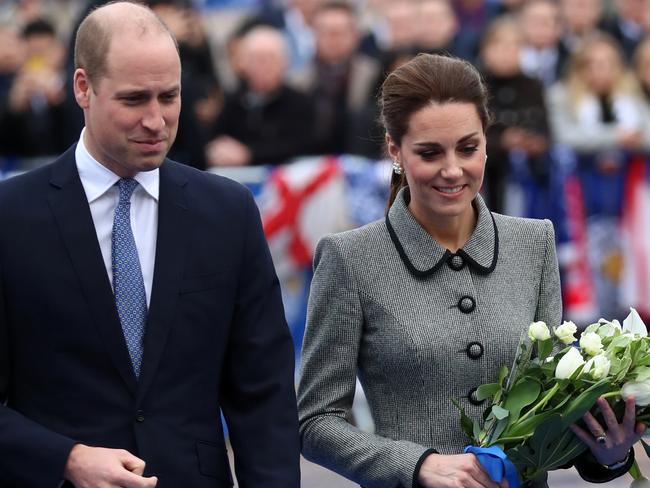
[82,88]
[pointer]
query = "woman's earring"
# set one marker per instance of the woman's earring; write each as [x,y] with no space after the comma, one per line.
[486,158]
[397,168]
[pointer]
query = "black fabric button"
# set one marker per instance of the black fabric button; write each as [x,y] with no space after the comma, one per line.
[467,304]
[456,262]
[139,416]
[471,396]
[474,350]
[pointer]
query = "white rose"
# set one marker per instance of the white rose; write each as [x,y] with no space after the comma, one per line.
[639,390]
[565,332]
[571,361]
[634,325]
[598,367]
[591,344]
[538,331]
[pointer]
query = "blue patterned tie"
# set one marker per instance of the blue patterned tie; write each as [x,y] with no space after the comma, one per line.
[128,284]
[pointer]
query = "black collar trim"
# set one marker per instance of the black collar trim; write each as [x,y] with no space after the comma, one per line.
[448,255]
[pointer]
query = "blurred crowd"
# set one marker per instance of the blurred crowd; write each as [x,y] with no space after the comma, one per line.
[265,82]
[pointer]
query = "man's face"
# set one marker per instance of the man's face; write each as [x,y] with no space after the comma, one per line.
[131,112]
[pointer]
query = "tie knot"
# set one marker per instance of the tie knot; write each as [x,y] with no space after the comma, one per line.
[126,187]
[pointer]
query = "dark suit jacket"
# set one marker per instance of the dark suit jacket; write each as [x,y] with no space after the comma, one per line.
[215,338]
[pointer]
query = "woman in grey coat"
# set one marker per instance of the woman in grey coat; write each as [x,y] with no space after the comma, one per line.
[427,304]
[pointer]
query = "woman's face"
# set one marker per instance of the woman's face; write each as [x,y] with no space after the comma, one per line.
[601,69]
[443,156]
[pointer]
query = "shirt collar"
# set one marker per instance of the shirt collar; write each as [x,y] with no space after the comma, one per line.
[423,255]
[97,179]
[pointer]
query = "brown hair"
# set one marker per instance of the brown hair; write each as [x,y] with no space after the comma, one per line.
[96,31]
[428,78]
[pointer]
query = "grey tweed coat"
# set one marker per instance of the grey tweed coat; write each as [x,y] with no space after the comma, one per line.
[419,325]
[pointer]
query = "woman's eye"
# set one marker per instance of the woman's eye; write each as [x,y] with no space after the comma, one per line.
[469,149]
[428,155]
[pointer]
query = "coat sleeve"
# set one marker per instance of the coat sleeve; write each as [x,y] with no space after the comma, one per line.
[30,454]
[549,301]
[333,336]
[258,397]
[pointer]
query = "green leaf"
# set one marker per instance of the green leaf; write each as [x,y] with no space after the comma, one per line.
[529,425]
[484,392]
[550,447]
[544,349]
[503,374]
[466,423]
[584,401]
[499,413]
[524,393]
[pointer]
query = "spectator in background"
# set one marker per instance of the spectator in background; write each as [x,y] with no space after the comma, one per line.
[201,96]
[543,56]
[393,28]
[598,113]
[474,16]
[596,107]
[520,127]
[627,24]
[295,20]
[437,27]
[264,121]
[339,80]
[33,121]
[12,56]
[642,71]
[580,19]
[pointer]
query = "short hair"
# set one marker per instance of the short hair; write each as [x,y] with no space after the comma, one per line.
[38,27]
[95,33]
[428,78]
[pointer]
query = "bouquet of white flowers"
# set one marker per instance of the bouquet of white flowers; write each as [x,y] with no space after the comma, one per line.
[553,383]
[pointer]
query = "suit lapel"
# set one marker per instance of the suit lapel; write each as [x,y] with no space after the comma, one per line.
[72,214]
[171,249]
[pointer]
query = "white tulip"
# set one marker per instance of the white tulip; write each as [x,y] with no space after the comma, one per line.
[598,367]
[640,390]
[571,361]
[590,343]
[634,325]
[538,331]
[608,329]
[565,332]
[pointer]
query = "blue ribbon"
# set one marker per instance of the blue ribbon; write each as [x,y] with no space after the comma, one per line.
[496,464]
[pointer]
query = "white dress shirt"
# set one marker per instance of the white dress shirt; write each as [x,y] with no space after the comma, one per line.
[99,184]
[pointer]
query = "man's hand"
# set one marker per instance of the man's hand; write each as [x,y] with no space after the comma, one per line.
[99,467]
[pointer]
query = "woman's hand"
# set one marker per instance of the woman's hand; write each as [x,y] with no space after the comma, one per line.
[611,444]
[440,471]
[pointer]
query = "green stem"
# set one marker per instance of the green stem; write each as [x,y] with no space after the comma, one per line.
[540,404]
[611,394]
[635,472]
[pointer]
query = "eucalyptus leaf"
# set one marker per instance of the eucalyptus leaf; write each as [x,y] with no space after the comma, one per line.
[544,349]
[527,426]
[499,413]
[484,392]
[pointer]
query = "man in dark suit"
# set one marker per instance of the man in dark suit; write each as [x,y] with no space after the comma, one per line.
[138,297]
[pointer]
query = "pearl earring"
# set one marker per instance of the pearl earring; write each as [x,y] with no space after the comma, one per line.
[397,168]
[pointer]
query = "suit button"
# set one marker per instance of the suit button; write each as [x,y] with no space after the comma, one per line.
[456,262]
[474,350]
[471,396]
[139,416]
[467,304]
